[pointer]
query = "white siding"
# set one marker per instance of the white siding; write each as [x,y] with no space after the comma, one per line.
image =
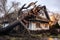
[32,26]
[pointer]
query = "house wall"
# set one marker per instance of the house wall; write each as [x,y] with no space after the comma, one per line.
[33,26]
[44,26]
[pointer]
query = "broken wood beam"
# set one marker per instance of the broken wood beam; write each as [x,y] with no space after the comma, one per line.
[41,21]
[25,26]
[46,13]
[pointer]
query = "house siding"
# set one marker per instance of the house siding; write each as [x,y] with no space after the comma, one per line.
[33,26]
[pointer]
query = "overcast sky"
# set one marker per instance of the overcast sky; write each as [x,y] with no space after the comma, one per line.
[52,5]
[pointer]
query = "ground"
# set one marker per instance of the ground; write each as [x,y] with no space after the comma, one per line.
[33,37]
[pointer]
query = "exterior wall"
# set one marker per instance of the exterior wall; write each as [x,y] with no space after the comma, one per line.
[45,26]
[33,26]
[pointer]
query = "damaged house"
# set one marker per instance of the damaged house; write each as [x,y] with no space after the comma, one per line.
[33,19]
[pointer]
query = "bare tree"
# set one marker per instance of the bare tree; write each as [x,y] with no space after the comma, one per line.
[3,5]
[14,5]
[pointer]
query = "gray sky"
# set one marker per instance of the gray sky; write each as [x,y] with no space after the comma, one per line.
[52,5]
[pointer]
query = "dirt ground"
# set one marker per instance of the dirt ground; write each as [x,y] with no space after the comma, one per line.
[28,37]
[18,38]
